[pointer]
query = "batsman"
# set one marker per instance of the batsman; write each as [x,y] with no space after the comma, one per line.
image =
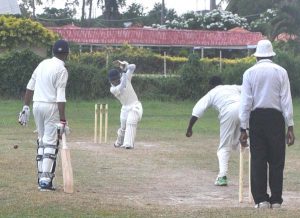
[132,110]
[47,89]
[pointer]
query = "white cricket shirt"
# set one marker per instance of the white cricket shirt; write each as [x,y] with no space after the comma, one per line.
[266,85]
[219,98]
[49,81]
[124,92]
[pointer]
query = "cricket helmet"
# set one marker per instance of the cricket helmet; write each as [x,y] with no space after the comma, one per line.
[114,74]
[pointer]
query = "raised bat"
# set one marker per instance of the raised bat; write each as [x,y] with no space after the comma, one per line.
[67,170]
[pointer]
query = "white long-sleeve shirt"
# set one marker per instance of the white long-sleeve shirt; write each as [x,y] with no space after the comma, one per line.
[49,81]
[219,98]
[124,92]
[266,85]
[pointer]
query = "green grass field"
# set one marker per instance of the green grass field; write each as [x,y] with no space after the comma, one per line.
[166,175]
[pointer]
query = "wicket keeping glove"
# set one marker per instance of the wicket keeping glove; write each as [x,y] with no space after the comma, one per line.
[24,115]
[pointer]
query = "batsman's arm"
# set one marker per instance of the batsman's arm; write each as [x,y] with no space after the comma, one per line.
[130,68]
[61,110]
[189,131]
[28,97]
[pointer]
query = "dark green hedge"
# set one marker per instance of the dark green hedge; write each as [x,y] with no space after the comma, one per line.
[15,71]
[88,76]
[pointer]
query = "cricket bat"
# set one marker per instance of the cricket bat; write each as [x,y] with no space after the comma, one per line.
[67,170]
[241,175]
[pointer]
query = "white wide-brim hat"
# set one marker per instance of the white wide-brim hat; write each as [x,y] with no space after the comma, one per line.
[264,49]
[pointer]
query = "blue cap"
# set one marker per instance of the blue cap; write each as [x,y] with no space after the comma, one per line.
[60,46]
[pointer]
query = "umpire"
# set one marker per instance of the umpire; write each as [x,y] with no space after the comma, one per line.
[266,104]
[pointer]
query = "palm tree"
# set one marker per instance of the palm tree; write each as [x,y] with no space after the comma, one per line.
[90,3]
[111,8]
[83,10]
[213,4]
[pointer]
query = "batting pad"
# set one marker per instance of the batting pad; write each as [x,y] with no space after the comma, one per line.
[131,125]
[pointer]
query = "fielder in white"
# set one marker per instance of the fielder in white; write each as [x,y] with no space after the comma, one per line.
[132,110]
[47,88]
[225,99]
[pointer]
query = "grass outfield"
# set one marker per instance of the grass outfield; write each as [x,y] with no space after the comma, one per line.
[166,175]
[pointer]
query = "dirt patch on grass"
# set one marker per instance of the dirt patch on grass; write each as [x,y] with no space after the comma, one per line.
[154,174]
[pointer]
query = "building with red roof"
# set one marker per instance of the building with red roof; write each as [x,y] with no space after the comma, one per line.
[149,37]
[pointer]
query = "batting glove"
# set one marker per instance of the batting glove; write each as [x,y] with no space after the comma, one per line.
[63,128]
[24,115]
[123,65]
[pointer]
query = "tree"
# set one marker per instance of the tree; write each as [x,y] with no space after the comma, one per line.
[287,20]
[90,3]
[154,15]
[83,11]
[263,23]
[110,8]
[133,11]
[213,5]
[213,20]
[20,32]
[71,5]
[27,5]
[56,17]
[251,9]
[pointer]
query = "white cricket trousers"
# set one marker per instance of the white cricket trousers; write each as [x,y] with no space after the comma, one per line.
[129,117]
[46,117]
[229,136]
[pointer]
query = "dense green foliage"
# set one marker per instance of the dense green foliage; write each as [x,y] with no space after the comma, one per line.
[16,32]
[16,69]
[86,81]
[147,61]
[186,78]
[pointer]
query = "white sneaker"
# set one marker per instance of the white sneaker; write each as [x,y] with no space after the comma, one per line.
[276,205]
[262,205]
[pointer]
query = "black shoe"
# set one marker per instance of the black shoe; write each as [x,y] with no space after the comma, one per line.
[46,186]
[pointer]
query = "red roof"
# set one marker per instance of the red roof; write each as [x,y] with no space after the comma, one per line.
[158,37]
[285,37]
[239,29]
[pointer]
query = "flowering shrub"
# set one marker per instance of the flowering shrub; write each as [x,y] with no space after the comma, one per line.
[263,23]
[19,32]
[213,20]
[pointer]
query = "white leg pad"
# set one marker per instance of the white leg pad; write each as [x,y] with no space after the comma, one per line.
[130,135]
[39,157]
[130,132]
[120,138]
[49,162]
